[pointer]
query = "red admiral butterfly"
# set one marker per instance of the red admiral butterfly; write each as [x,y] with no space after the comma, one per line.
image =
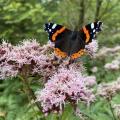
[71,43]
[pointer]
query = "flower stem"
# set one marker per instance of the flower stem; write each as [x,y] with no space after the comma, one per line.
[29,91]
[58,117]
[110,105]
[80,113]
[24,77]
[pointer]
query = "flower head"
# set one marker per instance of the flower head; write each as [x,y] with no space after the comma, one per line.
[92,47]
[67,85]
[108,90]
[13,59]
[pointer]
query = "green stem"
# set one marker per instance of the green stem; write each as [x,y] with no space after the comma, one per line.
[29,90]
[84,114]
[59,117]
[110,105]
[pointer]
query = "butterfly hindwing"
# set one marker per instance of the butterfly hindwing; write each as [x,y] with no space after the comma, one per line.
[77,45]
[63,44]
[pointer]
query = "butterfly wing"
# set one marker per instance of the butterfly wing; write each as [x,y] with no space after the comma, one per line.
[53,30]
[77,45]
[84,37]
[90,30]
[60,36]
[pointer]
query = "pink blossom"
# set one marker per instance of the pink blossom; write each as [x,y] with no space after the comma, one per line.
[103,52]
[65,85]
[109,89]
[114,65]
[92,48]
[94,69]
[90,80]
[14,58]
[117,110]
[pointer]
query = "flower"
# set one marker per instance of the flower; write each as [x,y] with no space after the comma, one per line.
[114,65]
[63,83]
[92,48]
[117,109]
[94,69]
[66,85]
[103,52]
[13,59]
[90,81]
[107,90]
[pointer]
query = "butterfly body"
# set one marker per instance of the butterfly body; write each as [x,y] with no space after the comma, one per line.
[71,43]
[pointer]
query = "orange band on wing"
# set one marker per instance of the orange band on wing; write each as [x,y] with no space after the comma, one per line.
[78,54]
[87,34]
[59,53]
[57,32]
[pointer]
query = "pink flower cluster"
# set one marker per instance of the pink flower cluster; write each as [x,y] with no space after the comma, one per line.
[66,85]
[109,89]
[103,52]
[113,53]
[63,82]
[14,58]
[92,48]
[114,65]
[117,110]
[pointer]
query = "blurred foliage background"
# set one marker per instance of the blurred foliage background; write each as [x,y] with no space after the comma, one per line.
[24,19]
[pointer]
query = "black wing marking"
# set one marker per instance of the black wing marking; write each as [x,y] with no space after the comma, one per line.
[54,30]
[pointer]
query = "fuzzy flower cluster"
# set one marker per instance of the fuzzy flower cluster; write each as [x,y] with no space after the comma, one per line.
[94,69]
[13,59]
[117,110]
[114,65]
[64,83]
[112,53]
[103,52]
[107,90]
[67,85]
[92,48]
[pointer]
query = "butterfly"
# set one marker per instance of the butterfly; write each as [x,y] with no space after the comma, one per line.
[68,43]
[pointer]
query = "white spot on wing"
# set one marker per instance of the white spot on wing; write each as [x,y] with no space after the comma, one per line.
[54,25]
[94,30]
[98,22]
[92,25]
